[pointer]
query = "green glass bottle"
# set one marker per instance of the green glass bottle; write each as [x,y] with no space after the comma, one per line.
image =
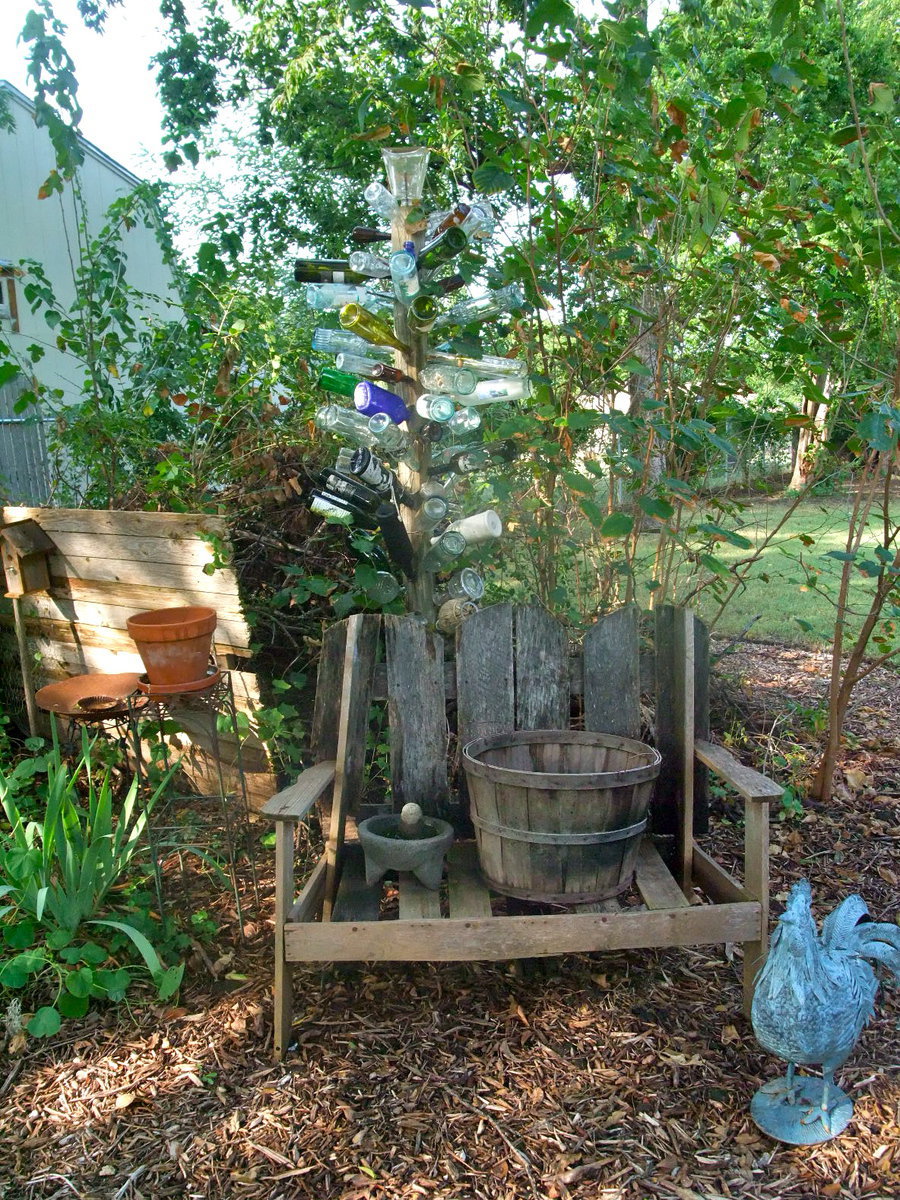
[422,314]
[338,381]
[445,247]
[359,320]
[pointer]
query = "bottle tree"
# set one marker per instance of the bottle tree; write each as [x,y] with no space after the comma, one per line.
[413,419]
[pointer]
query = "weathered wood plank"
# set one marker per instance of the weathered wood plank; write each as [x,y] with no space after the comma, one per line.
[284,895]
[656,885]
[118,521]
[356,900]
[701,724]
[664,810]
[612,700]
[306,906]
[719,885]
[467,893]
[141,596]
[746,782]
[181,547]
[417,901]
[484,674]
[684,716]
[168,575]
[108,638]
[295,801]
[231,628]
[417,715]
[541,670]
[496,939]
[359,661]
[328,691]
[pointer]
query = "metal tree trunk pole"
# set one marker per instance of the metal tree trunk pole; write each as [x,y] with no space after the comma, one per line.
[420,591]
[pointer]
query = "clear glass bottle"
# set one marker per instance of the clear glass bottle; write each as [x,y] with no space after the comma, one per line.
[466,584]
[404,276]
[345,423]
[405,167]
[370,399]
[433,510]
[383,589]
[489,391]
[374,329]
[460,381]
[336,341]
[443,550]
[422,314]
[489,365]
[434,407]
[368,368]
[323,296]
[380,200]
[337,381]
[483,308]
[365,262]
[464,420]
[480,221]
[386,434]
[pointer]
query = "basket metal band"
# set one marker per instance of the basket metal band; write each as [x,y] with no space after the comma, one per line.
[560,839]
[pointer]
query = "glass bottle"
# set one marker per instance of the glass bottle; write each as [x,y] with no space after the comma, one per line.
[422,314]
[439,378]
[435,408]
[327,506]
[442,287]
[383,589]
[345,423]
[405,167]
[334,341]
[323,296]
[480,527]
[386,434]
[480,221]
[364,263]
[443,550]
[483,308]
[464,420]
[337,381]
[390,374]
[380,200]
[370,399]
[326,270]
[366,467]
[364,235]
[404,275]
[343,460]
[487,365]
[335,484]
[396,539]
[357,364]
[432,511]
[456,216]
[374,329]
[444,248]
[466,584]
[487,391]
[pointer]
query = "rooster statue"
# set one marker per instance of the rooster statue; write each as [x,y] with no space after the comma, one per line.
[812,999]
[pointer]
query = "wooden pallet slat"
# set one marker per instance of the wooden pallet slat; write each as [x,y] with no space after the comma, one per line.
[467,893]
[657,887]
[612,699]
[418,902]
[541,671]
[356,900]
[417,715]
[484,674]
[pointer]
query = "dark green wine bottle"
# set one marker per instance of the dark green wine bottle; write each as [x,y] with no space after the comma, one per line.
[444,248]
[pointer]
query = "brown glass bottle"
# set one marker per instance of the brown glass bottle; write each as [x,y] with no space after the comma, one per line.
[363,235]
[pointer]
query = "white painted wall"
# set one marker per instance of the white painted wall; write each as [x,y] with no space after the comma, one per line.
[45,230]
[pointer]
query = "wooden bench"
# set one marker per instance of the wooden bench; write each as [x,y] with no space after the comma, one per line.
[513,669]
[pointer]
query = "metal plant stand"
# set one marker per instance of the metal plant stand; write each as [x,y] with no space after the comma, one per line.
[212,704]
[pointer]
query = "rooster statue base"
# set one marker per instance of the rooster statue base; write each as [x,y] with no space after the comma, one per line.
[812,999]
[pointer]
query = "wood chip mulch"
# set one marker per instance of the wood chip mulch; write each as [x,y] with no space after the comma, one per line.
[623,1076]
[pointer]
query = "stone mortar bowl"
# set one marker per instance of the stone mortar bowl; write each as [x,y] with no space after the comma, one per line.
[423,857]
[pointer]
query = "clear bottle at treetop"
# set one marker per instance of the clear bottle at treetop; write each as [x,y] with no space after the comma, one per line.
[443,249]
[435,408]
[483,308]
[365,262]
[404,276]
[488,365]
[422,314]
[336,341]
[374,329]
[438,377]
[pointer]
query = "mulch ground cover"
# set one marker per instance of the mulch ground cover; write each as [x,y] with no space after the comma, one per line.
[616,1077]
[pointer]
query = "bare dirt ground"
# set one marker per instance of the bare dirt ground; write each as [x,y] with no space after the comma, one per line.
[615,1077]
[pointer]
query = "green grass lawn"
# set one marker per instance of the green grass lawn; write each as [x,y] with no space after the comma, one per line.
[777,588]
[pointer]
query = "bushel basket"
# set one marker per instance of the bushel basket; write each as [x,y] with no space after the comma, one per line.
[559,814]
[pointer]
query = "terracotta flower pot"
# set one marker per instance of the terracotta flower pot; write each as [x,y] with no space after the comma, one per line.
[174,643]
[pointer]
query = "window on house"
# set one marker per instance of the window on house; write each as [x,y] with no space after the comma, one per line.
[9,313]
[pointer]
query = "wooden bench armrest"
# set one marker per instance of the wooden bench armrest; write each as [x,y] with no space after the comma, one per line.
[295,801]
[747,782]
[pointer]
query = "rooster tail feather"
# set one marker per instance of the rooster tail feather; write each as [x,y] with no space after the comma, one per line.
[841,926]
[881,943]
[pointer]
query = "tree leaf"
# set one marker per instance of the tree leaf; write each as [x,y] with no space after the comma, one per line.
[654,506]
[492,176]
[617,525]
[45,1022]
